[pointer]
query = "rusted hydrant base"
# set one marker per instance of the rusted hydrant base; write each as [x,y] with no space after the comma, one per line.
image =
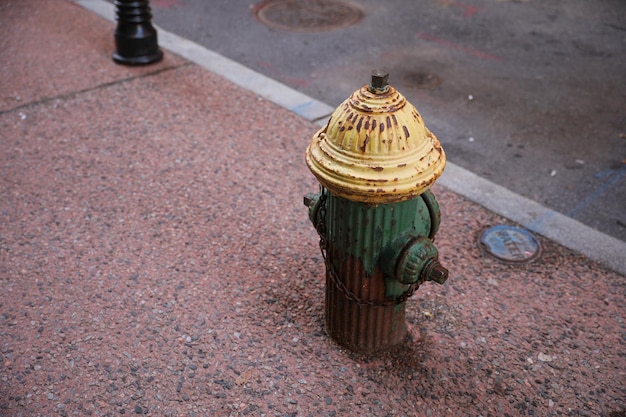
[361,328]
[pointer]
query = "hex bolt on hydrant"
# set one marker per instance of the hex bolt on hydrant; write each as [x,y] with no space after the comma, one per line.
[375,161]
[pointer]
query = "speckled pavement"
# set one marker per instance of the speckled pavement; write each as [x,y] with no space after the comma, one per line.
[156,259]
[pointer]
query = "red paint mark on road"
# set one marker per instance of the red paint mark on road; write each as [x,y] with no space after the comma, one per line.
[280,75]
[469,10]
[166,4]
[264,64]
[475,52]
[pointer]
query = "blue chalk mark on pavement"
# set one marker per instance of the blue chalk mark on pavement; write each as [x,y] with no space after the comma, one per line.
[614,176]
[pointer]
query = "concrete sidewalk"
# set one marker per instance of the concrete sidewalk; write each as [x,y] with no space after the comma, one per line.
[156,258]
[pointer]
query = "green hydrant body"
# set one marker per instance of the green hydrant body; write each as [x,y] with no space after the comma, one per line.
[375,215]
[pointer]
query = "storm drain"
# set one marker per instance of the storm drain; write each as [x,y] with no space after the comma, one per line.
[308,15]
[510,244]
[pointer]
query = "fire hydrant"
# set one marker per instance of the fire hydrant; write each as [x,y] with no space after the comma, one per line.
[375,161]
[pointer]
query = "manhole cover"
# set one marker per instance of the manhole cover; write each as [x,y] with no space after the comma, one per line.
[308,15]
[423,80]
[510,244]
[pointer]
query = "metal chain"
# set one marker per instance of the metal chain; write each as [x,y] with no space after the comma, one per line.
[321,230]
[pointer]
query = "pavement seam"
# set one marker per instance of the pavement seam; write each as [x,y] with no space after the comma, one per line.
[73,94]
[555,226]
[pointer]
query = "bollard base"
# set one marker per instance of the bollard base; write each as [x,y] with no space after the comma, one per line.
[138,60]
[136,48]
[136,40]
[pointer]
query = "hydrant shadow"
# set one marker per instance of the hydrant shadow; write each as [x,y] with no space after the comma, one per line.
[291,307]
[405,368]
[404,359]
[290,301]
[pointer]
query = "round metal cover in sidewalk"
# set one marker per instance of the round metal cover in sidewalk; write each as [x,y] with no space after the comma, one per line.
[308,15]
[510,244]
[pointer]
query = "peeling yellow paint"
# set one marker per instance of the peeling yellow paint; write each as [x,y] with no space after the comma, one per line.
[376,149]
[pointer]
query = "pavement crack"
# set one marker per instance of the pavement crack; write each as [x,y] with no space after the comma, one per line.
[72,94]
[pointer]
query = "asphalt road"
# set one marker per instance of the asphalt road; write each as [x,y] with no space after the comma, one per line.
[528,94]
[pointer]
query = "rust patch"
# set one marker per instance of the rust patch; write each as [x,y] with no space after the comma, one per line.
[365,142]
[356,325]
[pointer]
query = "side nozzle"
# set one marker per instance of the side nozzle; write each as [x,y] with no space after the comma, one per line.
[313,202]
[435,272]
[413,260]
[311,199]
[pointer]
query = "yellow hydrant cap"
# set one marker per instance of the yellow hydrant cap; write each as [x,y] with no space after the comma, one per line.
[375,148]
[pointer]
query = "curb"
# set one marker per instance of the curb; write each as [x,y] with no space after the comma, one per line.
[555,226]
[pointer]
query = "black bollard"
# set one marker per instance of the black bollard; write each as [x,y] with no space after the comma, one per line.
[135,37]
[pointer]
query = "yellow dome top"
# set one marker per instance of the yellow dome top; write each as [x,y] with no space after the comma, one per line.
[375,148]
